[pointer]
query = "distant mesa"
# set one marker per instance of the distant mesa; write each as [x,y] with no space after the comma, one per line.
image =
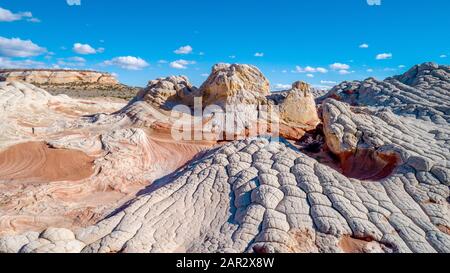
[57,76]
[75,83]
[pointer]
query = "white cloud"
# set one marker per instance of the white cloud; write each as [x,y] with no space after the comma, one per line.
[364,46]
[384,56]
[34,20]
[86,49]
[162,61]
[128,62]
[280,86]
[298,69]
[8,63]
[443,56]
[344,72]
[310,75]
[15,47]
[401,66]
[73,2]
[328,82]
[309,69]
[284,71]
[259,54]
[389,69]
[9,16]
[232,57]
[181,64]
[205,75]
[184,50]
[339,66]
[370,70]
[322,70]
[201,53]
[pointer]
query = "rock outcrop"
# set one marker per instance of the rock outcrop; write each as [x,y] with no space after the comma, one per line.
[423,92]
[234,84]
[233,103]
[228,85]
[169,92]
[299,108]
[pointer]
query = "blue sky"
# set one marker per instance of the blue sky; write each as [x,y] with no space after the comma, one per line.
[320,41]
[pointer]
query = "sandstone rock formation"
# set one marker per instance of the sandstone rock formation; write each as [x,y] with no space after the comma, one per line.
[235,84]
[169,92]
[386,187]
[30,113]
[234,100]
[69,162]
[422,92]
[299,107]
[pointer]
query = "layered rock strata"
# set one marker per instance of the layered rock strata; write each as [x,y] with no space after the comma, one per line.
[58,77]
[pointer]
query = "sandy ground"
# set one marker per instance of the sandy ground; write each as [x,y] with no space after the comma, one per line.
[352,245]
[36,161]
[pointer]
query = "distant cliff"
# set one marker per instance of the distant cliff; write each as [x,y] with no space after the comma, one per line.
[58,77]
[74,83]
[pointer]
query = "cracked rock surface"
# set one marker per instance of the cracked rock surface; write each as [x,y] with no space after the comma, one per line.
[262,196]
